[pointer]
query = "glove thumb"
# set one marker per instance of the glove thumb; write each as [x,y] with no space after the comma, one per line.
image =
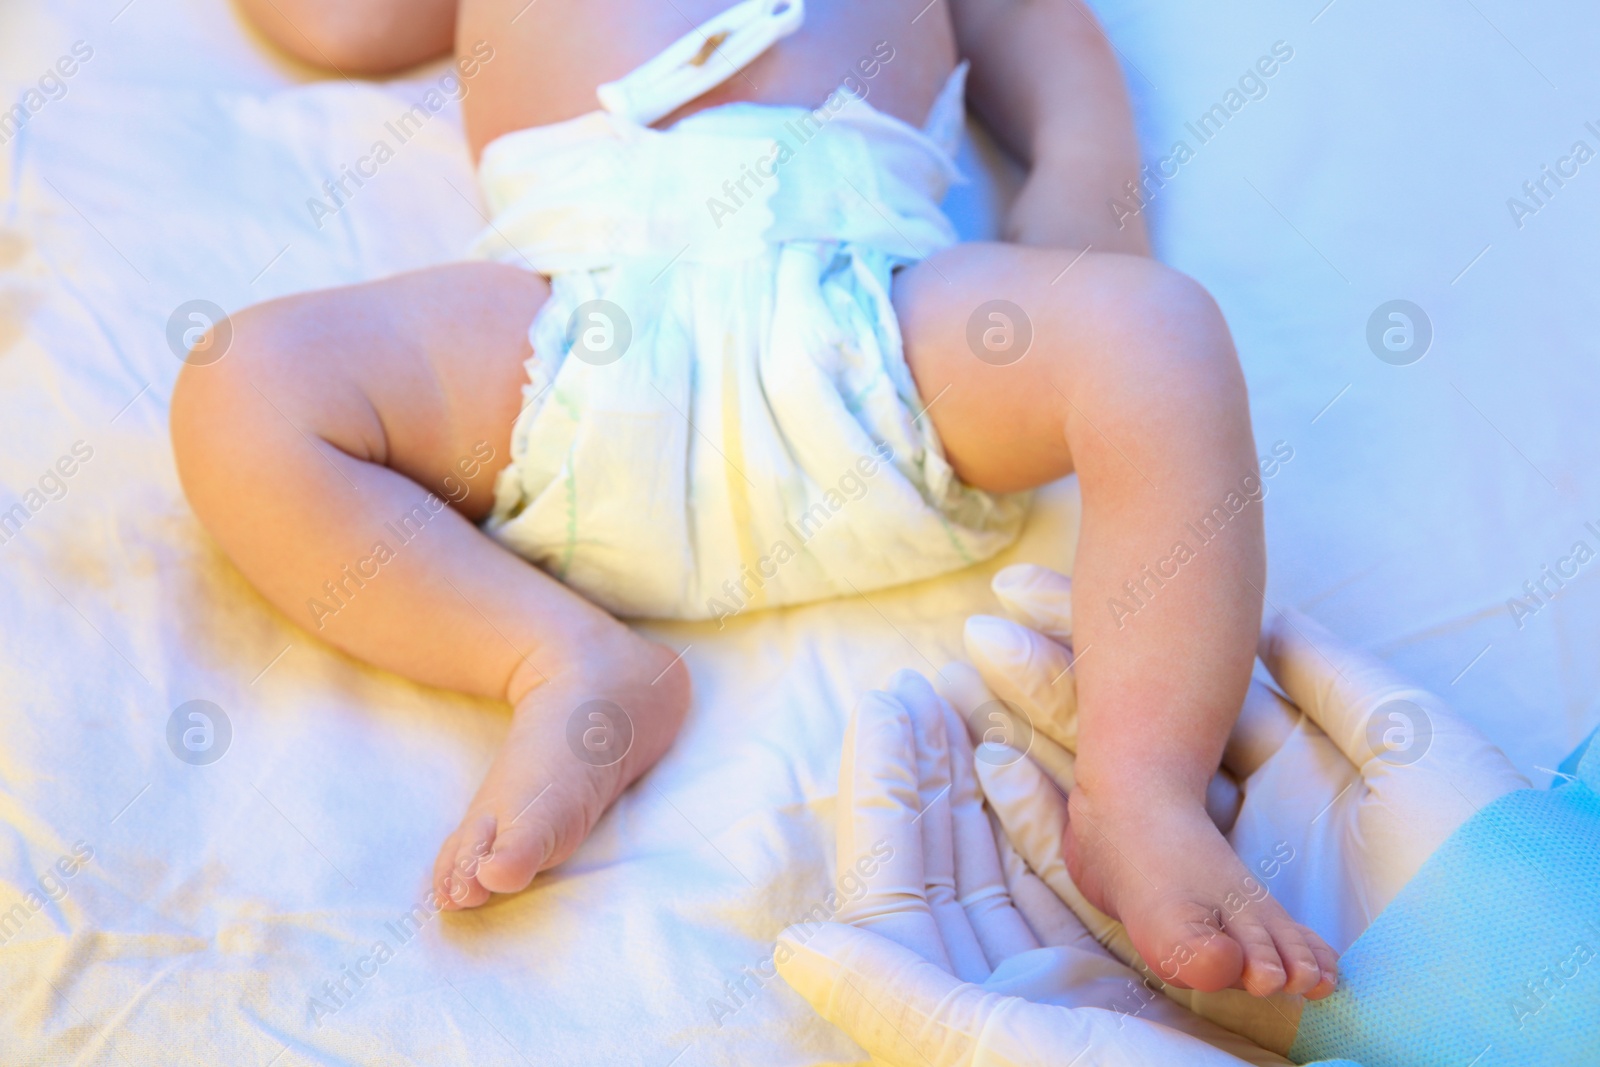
[896,1005]
[906,1012]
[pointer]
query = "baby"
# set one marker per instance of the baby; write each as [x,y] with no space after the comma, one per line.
[722,350]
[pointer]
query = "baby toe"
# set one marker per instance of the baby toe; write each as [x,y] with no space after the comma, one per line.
[462,892]
[1302,971]
[1197,956]
[1327,965]
[442,880]
[520,851]
[1263,973]
[456,870]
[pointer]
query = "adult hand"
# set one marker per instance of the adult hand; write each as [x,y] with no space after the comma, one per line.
[951,951]
[1346,787]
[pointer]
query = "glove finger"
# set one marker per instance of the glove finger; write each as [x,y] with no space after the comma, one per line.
[879,804]
[1380,721]
[961,684]
[980,884]
[1265,722]
[1049,920]
[1026,669]
[1034,814]
[934,787]
[1223,798]
[1052,922]
[998,733]
[1338,687]
[1038,596]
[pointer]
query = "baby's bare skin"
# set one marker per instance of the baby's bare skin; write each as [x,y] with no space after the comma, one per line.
[1132,383]
[549,60]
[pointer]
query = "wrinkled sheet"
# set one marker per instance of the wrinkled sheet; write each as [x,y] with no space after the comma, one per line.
[209,906]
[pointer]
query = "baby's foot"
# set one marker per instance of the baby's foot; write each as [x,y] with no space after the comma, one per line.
[1194,911]
[577,740]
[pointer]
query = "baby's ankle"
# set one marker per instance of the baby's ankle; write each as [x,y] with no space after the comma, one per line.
[591,649]
[645,680]
[1118,803]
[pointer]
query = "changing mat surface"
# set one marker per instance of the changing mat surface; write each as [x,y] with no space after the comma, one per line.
[156,908]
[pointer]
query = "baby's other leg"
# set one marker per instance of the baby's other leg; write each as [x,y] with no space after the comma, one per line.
[1131,380]
[319,450]
[357,37]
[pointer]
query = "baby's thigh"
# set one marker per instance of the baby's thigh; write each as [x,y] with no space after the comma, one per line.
[1006,341]
[421,372]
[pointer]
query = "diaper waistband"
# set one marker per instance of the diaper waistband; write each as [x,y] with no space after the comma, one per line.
[722,185]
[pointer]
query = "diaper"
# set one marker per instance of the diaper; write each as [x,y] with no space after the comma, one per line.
[718,415]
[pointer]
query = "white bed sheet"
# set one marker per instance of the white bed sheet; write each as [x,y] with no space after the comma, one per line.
[220,899]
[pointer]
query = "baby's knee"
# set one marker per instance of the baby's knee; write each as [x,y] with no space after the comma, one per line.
[202,388]
[215,400]
[1165,311]
[1161,326]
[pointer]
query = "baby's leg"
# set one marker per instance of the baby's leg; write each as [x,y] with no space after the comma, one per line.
[1132,381]
[318,450]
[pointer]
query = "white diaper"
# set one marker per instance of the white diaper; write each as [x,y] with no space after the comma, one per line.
[719,416]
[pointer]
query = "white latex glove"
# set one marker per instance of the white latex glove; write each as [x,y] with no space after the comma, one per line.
[948,950]
[1340,808]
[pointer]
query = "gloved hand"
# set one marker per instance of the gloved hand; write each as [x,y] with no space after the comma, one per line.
[1338,807]
[948,950]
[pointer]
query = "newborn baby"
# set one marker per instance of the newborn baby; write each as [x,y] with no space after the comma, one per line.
[723,351]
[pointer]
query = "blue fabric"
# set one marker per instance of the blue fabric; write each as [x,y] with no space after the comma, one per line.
[1490,956]
[1569,766]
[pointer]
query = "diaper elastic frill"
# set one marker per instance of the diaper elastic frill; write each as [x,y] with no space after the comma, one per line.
[719,415]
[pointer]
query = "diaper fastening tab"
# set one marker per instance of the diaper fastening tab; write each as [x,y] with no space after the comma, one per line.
[701,60]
